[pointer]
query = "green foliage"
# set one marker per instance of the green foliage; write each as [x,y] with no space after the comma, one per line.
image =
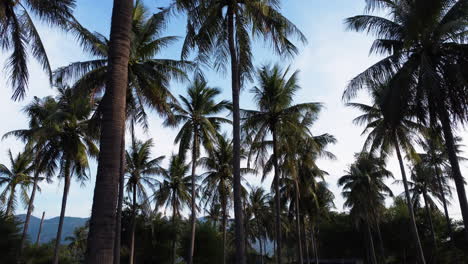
[208,241]
[9,238]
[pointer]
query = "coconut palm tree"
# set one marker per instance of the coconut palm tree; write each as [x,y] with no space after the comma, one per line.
[20,36]
[199,127]
[101,238]
[274,99]
[424,47]
[365,191]
[175,191]
[218,180]
[386,133]
[67,141]
[17,176]
[221,31]
[258,206]
[141,169]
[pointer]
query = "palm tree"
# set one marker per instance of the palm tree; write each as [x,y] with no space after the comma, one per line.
[387,133]
[274,99]
[197,115]
[365,191]
[218,180]
[18,175]
[66,141]
[100,246]
[141,170]
[425,57]
[258,206]
[223,29]
[20,36]
[175,191]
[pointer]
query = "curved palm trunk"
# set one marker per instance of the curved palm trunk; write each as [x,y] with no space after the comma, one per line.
[11,200]
[100,247]
[414,228]
[371,242]
[277,197]
[29,212]
[66,189]
[118,220]
[132,237]
[457,176]
[444,204]
[40,229]
[193,217]
[429,217]
[235,78]
[298,226]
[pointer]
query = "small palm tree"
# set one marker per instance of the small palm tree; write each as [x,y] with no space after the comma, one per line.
[259,208]
[141,170]
[222,31]
[365,191]
[218,180]
[175,191]
[20,34]
[276,111]
[197,116]
[17,176]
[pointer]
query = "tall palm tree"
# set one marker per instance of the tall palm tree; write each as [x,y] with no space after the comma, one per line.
[141,169]
[365,191]
[17,176]
[66,141]
[223,29]
[386,133]
[20,36]
[197,116]
[175,191]
[100,246]
[425,58]
[274,99]
[218,180]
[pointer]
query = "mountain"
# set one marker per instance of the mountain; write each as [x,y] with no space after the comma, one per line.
[49,227]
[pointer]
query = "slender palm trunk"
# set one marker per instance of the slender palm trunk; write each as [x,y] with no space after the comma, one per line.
[118,220]
[132,236]
[224,232]
[444,203]
[101,238]
[174,241]
[235,78]
[193,216]
[314,245]
[66,188]
[371,242]
[298,226]
[414,228]
[277,197]
[457,176]
[29,212]
[261,249]
[304,237]
[429,217]
[259,228]
[11,199]
[40,229]
[381,243]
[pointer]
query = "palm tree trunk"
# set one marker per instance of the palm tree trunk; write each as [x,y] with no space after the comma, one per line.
[100,247]
[118,222]
[371,242]
[444,203]
[304,237]
[429,217]
[298,226]
[457,176]
[381,243]
[11,200]
[174,241]
[132,236]
[29,212]
[40,229]
[414,228]
[224,231]
[314,244]
[66,188]
[261,249]
[259,228]
[235,78]
[277,197]
[193,217]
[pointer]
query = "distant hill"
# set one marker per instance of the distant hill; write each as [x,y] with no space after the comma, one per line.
[49,227]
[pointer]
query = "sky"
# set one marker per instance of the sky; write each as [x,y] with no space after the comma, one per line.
[327,62]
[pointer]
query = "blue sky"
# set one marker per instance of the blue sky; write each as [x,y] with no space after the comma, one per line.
[327,62]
